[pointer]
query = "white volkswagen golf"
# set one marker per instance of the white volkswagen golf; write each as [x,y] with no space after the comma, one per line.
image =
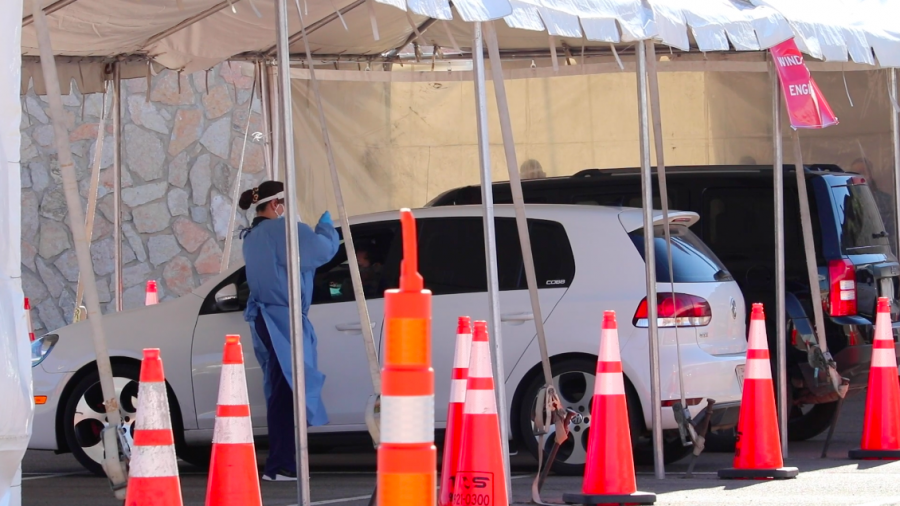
[588,259]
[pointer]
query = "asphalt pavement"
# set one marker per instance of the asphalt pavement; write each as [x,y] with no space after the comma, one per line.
[347,479]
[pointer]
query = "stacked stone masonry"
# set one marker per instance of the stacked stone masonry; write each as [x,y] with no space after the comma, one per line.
[180,154]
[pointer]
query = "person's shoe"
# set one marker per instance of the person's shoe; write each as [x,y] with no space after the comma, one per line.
[280,475]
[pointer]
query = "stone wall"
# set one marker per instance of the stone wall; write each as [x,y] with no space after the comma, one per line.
[180,153]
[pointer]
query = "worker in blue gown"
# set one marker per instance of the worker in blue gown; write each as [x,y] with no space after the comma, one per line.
[268,312]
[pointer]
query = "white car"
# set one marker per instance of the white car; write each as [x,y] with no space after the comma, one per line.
[588,259]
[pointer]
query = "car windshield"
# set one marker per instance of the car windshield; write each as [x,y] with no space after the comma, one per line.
[692,260]
[859,222]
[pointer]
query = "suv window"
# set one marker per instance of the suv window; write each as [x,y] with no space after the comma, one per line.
[692,260]
[859,222]
[378,258]
[452,255]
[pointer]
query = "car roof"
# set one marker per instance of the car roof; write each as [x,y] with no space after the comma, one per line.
[630,219]
[595,174]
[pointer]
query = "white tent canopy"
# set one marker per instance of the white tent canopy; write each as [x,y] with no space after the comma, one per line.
[191,35]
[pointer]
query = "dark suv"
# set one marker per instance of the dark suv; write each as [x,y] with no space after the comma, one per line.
[735,204]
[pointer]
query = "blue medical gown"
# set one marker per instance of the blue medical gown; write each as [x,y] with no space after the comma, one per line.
[265,257]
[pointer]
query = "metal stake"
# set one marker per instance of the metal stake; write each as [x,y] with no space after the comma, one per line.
[650,262]
[780,311]
[117,182]
[293,253]
[490,243]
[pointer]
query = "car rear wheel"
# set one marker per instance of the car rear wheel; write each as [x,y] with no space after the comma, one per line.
[85,417]
[574,382]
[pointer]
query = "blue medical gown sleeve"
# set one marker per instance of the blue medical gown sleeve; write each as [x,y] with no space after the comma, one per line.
[317,247]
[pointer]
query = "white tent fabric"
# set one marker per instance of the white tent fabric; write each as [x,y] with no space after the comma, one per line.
[179,34]
[15,354]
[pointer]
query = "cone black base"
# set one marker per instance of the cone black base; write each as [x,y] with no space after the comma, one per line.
[874,454]
[781,473]
[592,499]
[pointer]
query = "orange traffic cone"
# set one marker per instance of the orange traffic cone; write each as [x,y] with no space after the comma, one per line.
[152,296]
[609,472]
[757,453]
[153,475]
[453,432]
[233,478]
[28,317]
[407,457]
[881,429]
[480,477]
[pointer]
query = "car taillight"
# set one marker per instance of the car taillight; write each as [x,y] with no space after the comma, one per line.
[842,298]
[682,310]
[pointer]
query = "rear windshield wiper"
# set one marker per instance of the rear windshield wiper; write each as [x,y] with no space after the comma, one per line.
[879,235]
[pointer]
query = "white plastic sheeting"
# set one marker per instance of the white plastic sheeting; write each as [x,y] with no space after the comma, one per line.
[210,31]
[15,354]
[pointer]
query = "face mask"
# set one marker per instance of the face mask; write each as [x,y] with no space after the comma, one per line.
[281,213]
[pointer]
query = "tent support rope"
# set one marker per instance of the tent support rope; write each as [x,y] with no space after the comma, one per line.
[359,294]
[79,312]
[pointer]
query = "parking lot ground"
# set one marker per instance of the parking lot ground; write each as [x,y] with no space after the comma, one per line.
[347,479]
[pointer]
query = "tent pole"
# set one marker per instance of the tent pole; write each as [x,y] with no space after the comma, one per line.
[292,209]
[117,182]
[275,121]
[112,465]
[895,137]
[263,73]
[490,242]
[355,278]
[650,261]
[780,311]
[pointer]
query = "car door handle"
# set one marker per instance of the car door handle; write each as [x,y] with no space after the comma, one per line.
[351,327]
[516,317]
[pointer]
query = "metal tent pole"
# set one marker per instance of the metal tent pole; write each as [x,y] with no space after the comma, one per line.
[650,261]
[293,253]
[490,243]
[275,122]
[264,101]
[780,311]
[895,137]
[117,182]
[112,465]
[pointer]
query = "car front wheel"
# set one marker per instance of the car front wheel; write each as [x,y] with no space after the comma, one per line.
[85,417]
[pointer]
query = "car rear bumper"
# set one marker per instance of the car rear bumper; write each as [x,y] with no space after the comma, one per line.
[724,416]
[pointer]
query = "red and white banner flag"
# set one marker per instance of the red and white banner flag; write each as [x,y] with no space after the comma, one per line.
[806,105]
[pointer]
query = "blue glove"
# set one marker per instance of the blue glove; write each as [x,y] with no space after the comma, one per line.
[326,218]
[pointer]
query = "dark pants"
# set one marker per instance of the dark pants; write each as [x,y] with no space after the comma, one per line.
[279,410]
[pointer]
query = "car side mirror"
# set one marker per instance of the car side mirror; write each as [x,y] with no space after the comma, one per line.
[227,299]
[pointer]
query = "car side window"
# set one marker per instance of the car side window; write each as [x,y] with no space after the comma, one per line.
[378,261]
[452,255]
[229,296]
